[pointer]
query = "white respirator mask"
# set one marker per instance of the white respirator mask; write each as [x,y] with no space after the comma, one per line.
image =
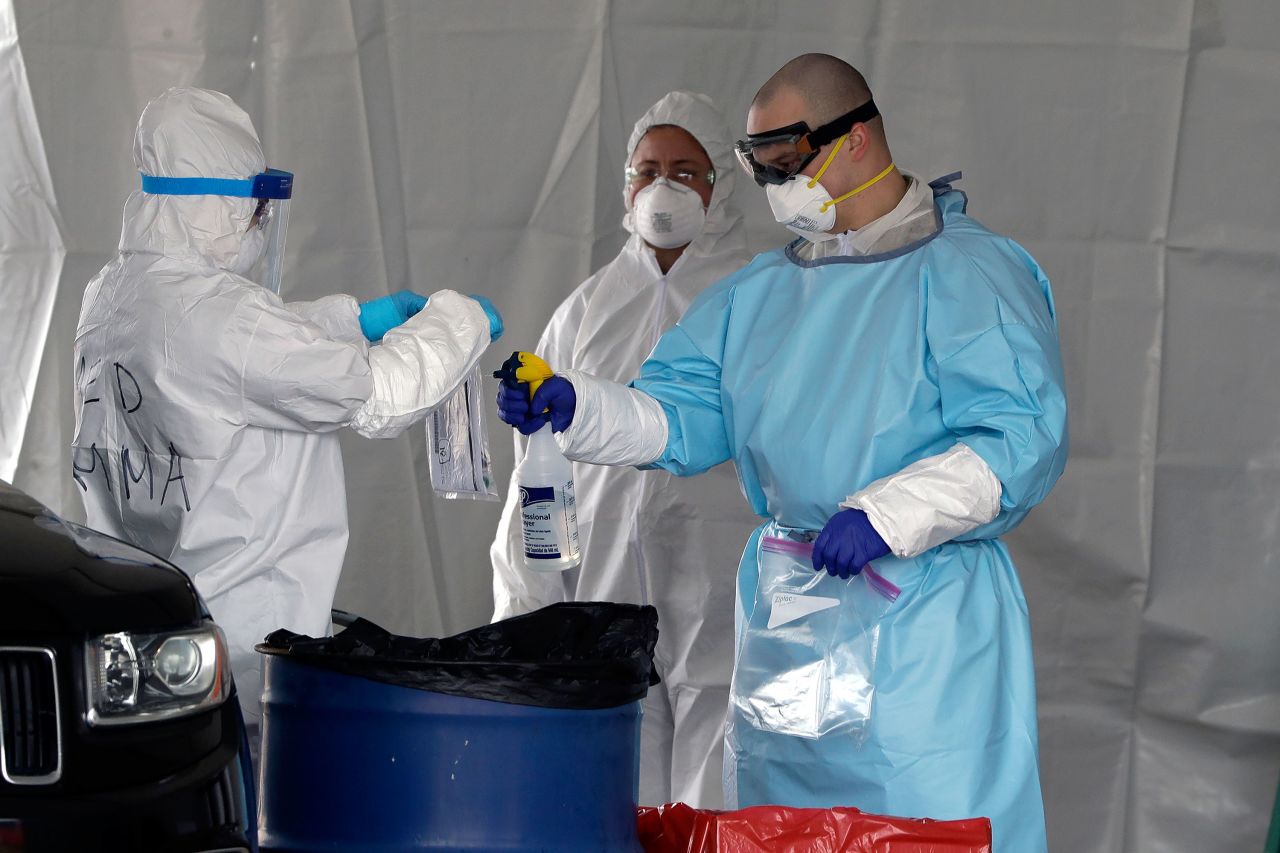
[805,207]
[668,215]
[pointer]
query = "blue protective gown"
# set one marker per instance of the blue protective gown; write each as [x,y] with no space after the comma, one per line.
[817,378]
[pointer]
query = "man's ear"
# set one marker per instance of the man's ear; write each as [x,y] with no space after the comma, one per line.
[859,141]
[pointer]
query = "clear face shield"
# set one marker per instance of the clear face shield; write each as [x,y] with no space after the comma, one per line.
[272,189]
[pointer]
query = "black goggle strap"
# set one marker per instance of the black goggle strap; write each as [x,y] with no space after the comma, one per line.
[836,128]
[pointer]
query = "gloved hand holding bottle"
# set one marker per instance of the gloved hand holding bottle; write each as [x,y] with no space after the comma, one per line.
[847,543]
[548,509]
[555,400]
[381,315]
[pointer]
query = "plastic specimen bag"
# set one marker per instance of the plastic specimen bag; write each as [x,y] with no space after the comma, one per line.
[806,663]
[458,444]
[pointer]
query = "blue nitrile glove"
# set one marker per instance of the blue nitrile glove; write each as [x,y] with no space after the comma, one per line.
[557,394]
[381,315]
[495,319]
[847,543]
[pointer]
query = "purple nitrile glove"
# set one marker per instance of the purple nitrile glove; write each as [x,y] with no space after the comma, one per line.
[847,543]
[554,399]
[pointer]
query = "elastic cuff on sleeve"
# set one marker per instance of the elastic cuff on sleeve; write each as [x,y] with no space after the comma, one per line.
[931,501]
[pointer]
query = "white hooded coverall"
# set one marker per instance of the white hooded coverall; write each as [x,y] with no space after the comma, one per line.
[648,537]
[207,409]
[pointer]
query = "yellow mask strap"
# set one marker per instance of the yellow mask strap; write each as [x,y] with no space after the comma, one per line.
[851,193]
[813,182]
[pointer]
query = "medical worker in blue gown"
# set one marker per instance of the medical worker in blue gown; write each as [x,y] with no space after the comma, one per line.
[892,381]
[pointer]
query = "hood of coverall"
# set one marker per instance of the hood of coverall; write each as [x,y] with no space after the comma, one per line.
[698,115]
[193,133]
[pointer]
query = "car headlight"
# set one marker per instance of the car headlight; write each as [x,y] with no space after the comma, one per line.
[132,678]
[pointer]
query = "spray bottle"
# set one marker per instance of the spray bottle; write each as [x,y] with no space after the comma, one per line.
[548,512]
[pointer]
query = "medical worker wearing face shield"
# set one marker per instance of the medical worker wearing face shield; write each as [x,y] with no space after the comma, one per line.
[892,382]
[207,409]
[648,537]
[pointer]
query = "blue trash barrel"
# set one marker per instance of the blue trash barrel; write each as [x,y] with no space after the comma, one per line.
[351,764]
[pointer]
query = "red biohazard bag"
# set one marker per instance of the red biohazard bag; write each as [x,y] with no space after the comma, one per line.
[677,828]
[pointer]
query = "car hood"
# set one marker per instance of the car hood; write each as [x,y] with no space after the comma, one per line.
[60,577]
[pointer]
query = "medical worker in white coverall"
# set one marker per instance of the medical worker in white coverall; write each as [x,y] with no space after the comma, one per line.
[207,409]
[650,537]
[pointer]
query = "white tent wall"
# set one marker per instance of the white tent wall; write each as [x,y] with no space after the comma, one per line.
[31,250]
[478,146]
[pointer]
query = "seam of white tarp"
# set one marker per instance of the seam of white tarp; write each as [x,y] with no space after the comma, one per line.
[1150,439]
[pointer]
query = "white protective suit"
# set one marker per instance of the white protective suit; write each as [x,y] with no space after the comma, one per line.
[649,537]
[207,410]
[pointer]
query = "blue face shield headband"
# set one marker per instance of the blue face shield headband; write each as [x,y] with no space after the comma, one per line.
[273,183]
[272,188]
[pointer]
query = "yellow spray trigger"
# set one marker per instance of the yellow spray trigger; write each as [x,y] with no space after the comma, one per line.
[524,367]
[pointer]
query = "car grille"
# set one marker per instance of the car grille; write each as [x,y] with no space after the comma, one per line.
[222,800]
[30,740]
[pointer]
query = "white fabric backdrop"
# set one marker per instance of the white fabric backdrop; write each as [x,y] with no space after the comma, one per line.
[478,146]
[31,249]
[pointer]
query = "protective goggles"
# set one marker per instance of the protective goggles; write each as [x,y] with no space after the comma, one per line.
[689,177]
[776,156]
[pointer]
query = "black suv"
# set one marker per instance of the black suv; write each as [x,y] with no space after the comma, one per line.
[119,725]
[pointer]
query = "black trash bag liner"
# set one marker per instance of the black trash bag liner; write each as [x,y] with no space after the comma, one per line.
[575,655]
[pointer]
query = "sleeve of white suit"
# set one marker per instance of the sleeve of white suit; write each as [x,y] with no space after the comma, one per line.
[613,424]
[289,372]
[931,501]
[338,315]
[300,367]
[421,362]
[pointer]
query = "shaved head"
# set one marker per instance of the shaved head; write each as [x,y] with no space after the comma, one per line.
[830,87]
[856,169]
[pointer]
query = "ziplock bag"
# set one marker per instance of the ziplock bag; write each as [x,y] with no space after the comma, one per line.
[806,664]
[458,444]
